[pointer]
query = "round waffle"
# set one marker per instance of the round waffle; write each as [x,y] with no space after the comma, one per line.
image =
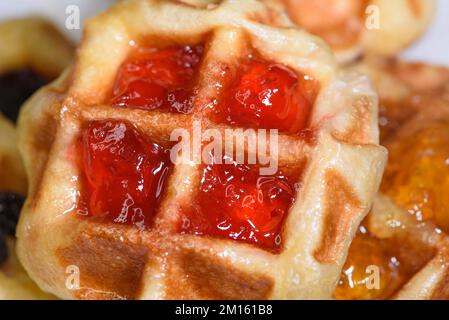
[32,53]
[33,43]
[354,27]
[117,261]
[405,235]
[12,175]
[26,44]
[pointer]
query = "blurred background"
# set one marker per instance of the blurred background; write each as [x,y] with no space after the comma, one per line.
[431,48]
[434,46]
[54,10]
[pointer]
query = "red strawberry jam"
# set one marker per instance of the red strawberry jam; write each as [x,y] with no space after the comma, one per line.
[123,173]
[236,202]
[159,79]
[269,96]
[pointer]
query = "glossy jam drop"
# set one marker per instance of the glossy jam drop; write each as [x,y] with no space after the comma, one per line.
[159,79]
[235,202]
[376,268]
[359,280]
[124,173]
[417,175]
[269,96]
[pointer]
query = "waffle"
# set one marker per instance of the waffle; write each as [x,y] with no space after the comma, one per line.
[35,44]
[32,53]
[22,50]
[404,89]
[119,261]
[406,234]
[344,24]
[12,175]
[15,284]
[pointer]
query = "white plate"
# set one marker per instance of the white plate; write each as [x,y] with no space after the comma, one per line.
[432,48]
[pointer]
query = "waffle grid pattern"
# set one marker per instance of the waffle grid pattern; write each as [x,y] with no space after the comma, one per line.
[118,261]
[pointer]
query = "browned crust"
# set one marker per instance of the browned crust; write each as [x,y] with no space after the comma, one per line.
[42,140]
[359,132]
[420,77]
[109,268]
[341,208]
[205,277]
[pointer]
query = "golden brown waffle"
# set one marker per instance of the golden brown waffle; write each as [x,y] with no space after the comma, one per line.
[117,261]
[15,284]
[406,234]
[12,174]
[35,44]
[27,45]
[404,89]
[351,29]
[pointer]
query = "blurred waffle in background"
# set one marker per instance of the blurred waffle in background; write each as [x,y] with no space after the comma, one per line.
[406,234]
[32,53]
[356,27]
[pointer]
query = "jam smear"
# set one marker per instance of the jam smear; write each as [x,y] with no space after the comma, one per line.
[417,175]
[236,202]
[123,173]
[159,79]
[357,281]
[393,261]
[267,95]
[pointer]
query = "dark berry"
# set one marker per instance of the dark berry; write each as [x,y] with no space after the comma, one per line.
[10,206]
[3,249]
[15,88]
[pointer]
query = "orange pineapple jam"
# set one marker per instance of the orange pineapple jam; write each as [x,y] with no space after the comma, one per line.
[397,261]
[416,179]
[366,250]
[417,175]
